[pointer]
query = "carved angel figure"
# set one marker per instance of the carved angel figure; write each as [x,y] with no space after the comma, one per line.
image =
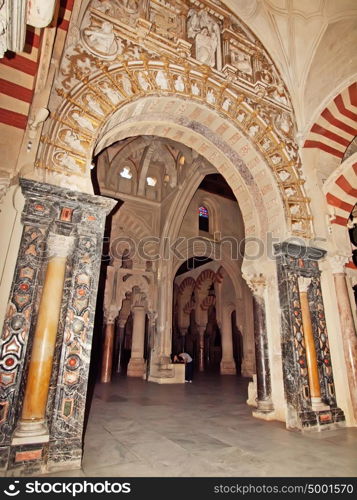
[205,31]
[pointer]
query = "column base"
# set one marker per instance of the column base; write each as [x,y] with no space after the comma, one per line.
[228,368]
[318,405]
[314,421]
[265,406]
[252,392]
[264,415]
[136,367]
[31,431]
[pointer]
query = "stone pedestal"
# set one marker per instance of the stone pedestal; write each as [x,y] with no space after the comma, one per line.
[348,330]
[136,366]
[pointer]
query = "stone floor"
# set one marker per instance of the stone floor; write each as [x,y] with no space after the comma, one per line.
[137,428]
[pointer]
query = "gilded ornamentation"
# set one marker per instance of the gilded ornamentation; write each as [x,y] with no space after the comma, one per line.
[235,77]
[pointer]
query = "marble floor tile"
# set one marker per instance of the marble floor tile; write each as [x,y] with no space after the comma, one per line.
[140,429]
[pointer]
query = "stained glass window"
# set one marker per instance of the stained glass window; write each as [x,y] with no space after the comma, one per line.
[203,212]
[203,219]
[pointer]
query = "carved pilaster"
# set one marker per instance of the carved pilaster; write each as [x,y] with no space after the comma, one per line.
[53,218]
[298,271]
[257,283]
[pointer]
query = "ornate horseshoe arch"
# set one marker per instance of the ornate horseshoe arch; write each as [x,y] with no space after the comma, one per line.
[109,65]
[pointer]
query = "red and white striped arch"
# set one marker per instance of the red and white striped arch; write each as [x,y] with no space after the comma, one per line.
[18,73]
[342,194]
[336,127]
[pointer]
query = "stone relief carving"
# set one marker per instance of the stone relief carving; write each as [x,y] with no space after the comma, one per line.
[205,31]
[232,73]
[101,40]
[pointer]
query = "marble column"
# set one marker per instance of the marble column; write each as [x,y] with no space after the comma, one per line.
[201,356]
[119,343]
[136,366]
[348,330]
[311,357]
[108,347]
[183,333]
[227,366]
[257,284]
[32,426]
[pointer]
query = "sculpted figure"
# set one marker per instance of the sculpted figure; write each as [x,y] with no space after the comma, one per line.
[179,84]
[73,142]
[205,31]
[101,39]
[144,84]
[161,80]
[83,121]
[111,94]
[94,106]
[243,64]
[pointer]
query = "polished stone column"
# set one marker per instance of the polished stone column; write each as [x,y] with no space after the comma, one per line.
[108,346]
[183,333]
[32,426]
[136,366]
[311,357]
[348,330]
[119,343]
[227,366]
[201,339]
[257,284]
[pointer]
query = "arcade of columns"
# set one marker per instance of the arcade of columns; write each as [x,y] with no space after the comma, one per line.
[204,80]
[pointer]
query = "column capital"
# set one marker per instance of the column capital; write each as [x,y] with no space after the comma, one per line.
[303,283]
[337,263]
[59,245]
[257,283]
[110,314]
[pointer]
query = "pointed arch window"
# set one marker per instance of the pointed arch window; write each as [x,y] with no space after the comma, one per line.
[203,219]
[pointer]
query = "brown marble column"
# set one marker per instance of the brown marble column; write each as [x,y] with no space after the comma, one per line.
[348,330]
[201,339]
[136,366]
[108,347]
[32,426]
[311,357]
[119,343]
[257,284]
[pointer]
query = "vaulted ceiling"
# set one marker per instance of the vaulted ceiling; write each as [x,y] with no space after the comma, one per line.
[313,42]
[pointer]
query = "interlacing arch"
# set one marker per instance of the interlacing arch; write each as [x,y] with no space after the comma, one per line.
[84,111]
